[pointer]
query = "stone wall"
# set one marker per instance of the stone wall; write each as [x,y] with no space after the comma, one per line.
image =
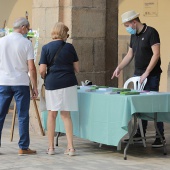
[88,34]
[93,32]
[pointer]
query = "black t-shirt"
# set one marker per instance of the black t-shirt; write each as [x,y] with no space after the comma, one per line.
[141,44]
[61,73]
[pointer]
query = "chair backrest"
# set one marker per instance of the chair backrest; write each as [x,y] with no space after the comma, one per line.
[136,83]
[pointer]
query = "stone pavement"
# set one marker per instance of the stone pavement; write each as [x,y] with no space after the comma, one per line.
[89,155]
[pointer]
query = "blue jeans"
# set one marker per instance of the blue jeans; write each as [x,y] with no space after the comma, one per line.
[21,95]
[152,85]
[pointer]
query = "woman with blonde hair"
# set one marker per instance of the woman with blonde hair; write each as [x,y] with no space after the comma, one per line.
[58,65]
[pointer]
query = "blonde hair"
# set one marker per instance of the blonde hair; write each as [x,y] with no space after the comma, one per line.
[59,31]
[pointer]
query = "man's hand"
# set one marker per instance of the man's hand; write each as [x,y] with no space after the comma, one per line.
[144,76]
[34,93]
[116,73]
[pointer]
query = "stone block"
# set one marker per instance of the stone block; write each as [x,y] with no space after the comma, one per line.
[65,16]
[88,23]
[99,55]
[99,79]
[99,4]
[38,20]
[45,3]
[82,3]
[84,49]
[111,54]
[51,17]
[65,3]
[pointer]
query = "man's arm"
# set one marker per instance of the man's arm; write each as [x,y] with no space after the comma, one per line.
[126,60]
[153,62]
[33,77]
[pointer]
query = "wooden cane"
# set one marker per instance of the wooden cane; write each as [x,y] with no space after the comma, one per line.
[37,113]
[13,121]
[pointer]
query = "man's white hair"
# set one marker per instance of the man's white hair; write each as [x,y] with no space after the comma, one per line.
[20,22]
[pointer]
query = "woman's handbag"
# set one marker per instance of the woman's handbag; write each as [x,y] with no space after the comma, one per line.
[42,99]
[43,91]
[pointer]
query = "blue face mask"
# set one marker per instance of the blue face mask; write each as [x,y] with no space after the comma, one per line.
[130,30]
[25,35]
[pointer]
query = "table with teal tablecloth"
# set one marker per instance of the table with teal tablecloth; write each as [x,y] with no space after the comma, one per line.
[104,118]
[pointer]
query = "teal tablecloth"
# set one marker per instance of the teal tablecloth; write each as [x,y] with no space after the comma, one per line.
[104,118]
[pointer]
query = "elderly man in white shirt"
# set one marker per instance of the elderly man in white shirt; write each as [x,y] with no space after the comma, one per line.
[16,60]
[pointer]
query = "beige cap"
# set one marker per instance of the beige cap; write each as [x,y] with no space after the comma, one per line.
[129,15]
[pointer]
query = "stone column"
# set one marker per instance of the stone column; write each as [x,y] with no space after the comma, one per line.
[88,35]
[111,41]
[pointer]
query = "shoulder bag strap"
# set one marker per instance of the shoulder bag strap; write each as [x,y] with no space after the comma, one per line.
[55,57]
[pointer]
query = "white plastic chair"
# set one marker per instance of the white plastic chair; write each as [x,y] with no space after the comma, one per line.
[136,86]
[136,83]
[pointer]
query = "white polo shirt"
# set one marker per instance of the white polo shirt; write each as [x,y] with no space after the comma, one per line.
[15,51]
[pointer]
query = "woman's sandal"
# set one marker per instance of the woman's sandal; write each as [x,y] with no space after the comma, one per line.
[70,152]
[50,151]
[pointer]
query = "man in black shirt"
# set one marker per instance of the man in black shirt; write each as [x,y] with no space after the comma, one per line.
[145,49]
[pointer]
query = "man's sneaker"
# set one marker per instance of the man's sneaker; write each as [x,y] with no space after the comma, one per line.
[137,135]
[26,152]
[158,143]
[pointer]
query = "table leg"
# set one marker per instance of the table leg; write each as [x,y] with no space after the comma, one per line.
[131,136]
[141,131]
[119,146]
[134,130]
[159,134]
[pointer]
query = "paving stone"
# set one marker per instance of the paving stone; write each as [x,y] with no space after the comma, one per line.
[89,155]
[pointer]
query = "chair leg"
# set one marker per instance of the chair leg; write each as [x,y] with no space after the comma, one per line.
[141,131]
[13,122]
[131,136]
[58,134]
[119,146]
[130,129]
